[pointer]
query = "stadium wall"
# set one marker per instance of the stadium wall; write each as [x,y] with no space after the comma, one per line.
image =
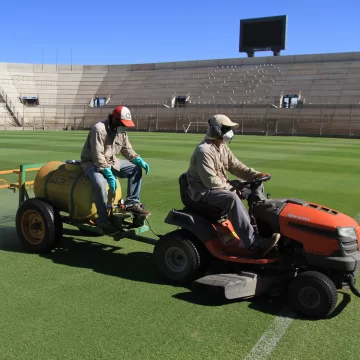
[246,89]
[324,120]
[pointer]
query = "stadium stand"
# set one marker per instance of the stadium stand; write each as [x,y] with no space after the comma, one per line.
[5,118]
[179,96]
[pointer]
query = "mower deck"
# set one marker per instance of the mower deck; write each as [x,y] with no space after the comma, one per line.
[242,285]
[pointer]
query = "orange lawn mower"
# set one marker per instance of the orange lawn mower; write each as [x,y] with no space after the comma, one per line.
[318,251]
[317,254]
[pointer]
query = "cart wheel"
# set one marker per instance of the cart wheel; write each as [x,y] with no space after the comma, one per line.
[179,258]
[313,294]
[38,225]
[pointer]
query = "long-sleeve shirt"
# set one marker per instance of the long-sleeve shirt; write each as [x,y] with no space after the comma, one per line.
[102,145]
[208,169]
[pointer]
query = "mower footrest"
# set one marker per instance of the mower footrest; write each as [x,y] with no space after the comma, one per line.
[234,285]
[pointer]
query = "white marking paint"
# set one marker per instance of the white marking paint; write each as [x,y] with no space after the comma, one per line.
[268,341]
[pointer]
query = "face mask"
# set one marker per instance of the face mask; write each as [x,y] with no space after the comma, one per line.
[121,129]
[228,136]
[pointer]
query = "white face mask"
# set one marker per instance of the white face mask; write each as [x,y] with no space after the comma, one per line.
[121,129]
[228,136]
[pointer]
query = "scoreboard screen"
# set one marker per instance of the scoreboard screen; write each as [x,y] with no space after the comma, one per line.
[263,34]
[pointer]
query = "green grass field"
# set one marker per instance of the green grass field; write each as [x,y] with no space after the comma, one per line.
[104,300]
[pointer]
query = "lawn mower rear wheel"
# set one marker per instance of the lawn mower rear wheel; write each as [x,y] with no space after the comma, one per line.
[178,257]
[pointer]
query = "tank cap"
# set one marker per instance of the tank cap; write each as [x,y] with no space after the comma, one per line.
[73,162]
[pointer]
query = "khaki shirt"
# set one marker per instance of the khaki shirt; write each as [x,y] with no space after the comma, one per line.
[102,145]
[208,167]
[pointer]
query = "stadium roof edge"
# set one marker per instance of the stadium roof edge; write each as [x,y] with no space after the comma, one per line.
[286,59]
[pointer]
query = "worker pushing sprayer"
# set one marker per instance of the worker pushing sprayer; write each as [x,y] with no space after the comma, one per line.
[105,140]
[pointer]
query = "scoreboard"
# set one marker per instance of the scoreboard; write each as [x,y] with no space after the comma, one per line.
[263,34]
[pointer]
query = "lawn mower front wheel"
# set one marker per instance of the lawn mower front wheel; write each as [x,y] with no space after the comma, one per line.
[38,225]
[178,257]
[313,294]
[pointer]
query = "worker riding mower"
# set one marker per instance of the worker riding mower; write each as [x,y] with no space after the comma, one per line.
[318,251]
[63,194]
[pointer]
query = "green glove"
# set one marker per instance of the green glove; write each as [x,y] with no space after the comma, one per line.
[139,161]
[109,176]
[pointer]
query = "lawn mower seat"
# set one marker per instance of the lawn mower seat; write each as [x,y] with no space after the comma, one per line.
[208,211]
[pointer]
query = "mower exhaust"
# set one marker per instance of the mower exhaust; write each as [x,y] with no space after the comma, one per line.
[354,290]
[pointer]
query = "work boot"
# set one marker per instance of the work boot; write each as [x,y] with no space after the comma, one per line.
[137,209]
[108,228]
[263,245]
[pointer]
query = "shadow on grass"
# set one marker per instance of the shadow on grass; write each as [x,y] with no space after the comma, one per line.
[105,259]
[102,258]
[277,306]
[138,266]
[207,298]
[274,307]
[203,297]
[7,232]
[8,237]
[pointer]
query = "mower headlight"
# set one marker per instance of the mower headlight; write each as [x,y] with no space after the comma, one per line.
[348,232]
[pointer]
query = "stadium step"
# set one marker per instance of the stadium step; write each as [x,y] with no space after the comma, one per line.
[13,114]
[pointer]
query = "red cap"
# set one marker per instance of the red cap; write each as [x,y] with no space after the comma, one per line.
[123,113]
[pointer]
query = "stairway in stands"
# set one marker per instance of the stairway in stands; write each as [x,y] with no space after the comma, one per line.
[7,108]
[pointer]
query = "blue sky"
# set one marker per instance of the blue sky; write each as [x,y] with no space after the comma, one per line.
[126,32]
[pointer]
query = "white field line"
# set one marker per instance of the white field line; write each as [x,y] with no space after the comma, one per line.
[268,341]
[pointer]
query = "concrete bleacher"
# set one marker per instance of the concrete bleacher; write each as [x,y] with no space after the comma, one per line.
[65,91]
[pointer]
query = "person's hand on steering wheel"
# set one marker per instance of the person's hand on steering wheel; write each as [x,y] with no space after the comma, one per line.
[262,175]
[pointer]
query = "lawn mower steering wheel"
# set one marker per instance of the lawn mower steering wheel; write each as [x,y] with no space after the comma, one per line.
[257,180]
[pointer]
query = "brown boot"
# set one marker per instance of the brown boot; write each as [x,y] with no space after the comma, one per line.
[108,229]
[263,245]
[137,209]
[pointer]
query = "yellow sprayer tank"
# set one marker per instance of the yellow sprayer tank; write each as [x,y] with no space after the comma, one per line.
[66,187]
